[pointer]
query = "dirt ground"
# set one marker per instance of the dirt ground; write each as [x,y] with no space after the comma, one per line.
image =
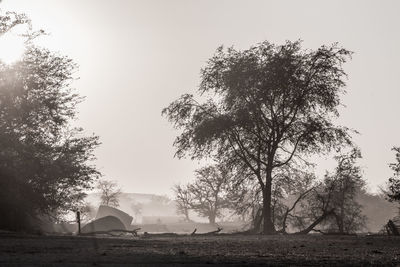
[279,250]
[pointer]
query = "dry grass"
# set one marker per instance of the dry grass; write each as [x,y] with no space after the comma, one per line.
[310,250]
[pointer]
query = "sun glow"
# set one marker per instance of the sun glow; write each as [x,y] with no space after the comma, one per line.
[11,48]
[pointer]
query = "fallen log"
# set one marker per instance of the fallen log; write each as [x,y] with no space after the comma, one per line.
[110,232]
[146,234]
[208,233]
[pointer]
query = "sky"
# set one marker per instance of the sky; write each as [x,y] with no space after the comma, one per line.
[135,57]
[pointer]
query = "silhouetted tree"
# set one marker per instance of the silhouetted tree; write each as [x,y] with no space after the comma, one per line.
[109,193]
[394,181]
[267,105]
[207,195]
[183,201]
[44,162]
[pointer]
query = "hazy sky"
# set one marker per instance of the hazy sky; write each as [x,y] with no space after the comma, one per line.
[136,57]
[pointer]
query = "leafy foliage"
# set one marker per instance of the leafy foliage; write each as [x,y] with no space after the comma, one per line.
[44,162]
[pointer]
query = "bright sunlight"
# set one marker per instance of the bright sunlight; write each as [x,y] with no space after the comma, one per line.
[11,48]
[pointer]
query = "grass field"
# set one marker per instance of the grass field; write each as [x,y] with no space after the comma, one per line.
[310,250]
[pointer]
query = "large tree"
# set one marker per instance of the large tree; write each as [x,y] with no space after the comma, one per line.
[45,164]
[264,107]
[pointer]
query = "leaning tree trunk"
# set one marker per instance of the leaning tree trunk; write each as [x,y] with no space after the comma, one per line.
[268,226]
[316,222]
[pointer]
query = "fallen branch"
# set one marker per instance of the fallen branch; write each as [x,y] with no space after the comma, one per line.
[133,232]
[208,233]
[146,234]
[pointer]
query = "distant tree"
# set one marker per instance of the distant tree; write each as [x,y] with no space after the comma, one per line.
[267,106]
[183,201]
[349,183]
[394,181]
[110,193]
[208,193]
[245,198]
[44,161]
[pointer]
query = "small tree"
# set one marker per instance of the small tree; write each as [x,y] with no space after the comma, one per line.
[394,181]
[349,183]
[207,195]
[183,201]
[110,193]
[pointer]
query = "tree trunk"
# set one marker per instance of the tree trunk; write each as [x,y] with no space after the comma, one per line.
[340,217]
[257,221]
[268,226]
[211,219]
[187,218]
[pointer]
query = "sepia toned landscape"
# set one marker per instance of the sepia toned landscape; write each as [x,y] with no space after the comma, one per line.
[184,132]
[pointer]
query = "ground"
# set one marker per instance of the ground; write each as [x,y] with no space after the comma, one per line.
[238,250]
